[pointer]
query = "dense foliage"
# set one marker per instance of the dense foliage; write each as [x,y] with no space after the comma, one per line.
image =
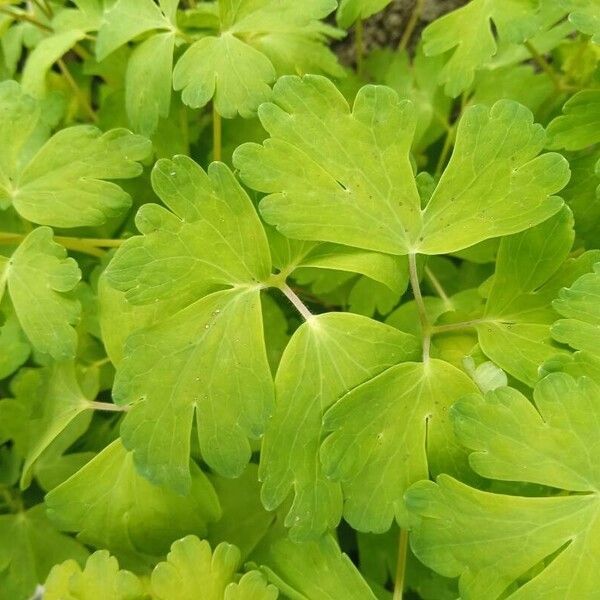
[271,327]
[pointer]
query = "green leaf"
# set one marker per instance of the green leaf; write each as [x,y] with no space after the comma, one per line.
[333,575]
[100,578]
[37,276]
[110,505]
[53,399]
[467,32]
[14,348]
[579,125]
[350,11]
[492,540]
[586,18]
[209,357]
[531,268]
[257,40]
[580,307]
[346,177]
[43,56]
[390,432]
[63,182]
[192,570]
[29,547]
[327,357]
[148,82]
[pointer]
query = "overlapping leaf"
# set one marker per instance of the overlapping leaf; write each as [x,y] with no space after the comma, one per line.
[490,540]
[531,269]
[350,11]
[112,506]
[100,578]
[29,547]
[346,177]
[257,42]
[38,276]
[211,255]
[327,357]
[62,182]
[390,432]
[192,570]
[579,126]
[467,32]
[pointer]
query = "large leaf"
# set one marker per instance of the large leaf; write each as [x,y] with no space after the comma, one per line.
[110,505]
[491,540]
[63,183]
[258,41]
[345,176]
[209,256]
[327,357]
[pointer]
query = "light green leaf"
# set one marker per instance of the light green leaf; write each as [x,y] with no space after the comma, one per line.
[351,10]
[100,578]
[467,32]
[29,547]
[346,177]
[208,357]
[333,575]
[492,540]
[54,400]
[531,268]
[192,570]
[579,125]
[37,276]
[327,357]
[110,505]
[14,348]
[390,432]
[43,56]
[228,69]
[63,184]
[236,67]
[580,305]
[125,20]
[586,18]
[148,82]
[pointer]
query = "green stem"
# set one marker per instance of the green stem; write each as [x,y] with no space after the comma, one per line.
[91,246]
[412,23]
[81,98]
[448,141]
[437,286]
[23,16]
[359,45]
[458,326]
[298,304]
[401,565]
[544,65]
[423,319]
[217,134]
[107,406]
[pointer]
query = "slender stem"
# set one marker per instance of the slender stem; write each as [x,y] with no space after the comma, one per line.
[457,326]
[98,363]
[401,565]
[98,242]
[45,8]
[298,304]
[412,23]
[23,16]
[359,45]
[217,134]
[107,406]
[437,286]
[81,98]
[91,246]
[448,141]
[416,289]
[544,65]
